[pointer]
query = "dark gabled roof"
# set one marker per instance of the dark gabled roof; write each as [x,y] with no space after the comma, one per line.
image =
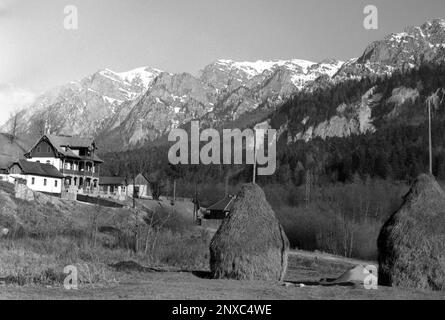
[38,169]
[63,145]
[224,205]
[94,157]
[112,181]
[140,179]
[73,142]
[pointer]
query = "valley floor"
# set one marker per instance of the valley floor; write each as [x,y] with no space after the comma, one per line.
[303,268]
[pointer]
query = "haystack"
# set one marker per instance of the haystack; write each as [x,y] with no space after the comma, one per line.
[412,242]
[250,244]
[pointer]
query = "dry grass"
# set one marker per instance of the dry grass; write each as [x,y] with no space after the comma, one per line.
[186,285]
[45,236]
[41,262]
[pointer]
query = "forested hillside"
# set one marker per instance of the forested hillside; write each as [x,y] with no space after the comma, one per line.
[395,148]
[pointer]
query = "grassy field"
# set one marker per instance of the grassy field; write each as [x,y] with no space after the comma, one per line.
[48,234]
[195,285]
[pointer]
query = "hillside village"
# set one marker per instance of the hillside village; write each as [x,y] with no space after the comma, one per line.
[65,166]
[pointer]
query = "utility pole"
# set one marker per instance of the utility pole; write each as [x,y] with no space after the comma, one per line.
[308,186]
[134,189]
[195,204]
[430,140]
[254,160]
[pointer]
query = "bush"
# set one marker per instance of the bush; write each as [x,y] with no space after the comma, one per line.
[342,219]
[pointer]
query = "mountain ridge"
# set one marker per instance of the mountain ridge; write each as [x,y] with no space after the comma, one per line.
[138,106]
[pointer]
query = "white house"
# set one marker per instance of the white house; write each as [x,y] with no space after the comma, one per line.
[74,157]
[140,187]
[40,177]
[113,187]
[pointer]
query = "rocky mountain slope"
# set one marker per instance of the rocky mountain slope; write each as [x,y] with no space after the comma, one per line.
[126,110]
[399,51]
[85,106]
[402,52]
[11,149]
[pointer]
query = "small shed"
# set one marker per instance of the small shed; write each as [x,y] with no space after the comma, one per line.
[140,187]
[220,209]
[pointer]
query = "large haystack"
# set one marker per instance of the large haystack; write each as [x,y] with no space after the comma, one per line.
[250,243]
[412,242]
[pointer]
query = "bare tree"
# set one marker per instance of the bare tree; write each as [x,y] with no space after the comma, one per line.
[14,124]
[94,221]
[155,221]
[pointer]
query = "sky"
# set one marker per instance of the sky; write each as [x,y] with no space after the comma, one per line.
[37,52]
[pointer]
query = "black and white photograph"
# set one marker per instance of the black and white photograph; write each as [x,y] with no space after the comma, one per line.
[223,155]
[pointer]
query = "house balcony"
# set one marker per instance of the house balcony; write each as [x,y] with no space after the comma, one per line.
[81,173]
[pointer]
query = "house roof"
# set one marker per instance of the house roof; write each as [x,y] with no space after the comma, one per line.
[38,169]
[225,204]
[63,145]
[112,181]
[69,141]
[94,157]
[141,179]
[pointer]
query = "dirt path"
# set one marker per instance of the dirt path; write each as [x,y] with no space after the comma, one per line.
[330,257]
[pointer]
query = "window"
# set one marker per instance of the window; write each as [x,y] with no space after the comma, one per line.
[44,182]
[55,183]
[33,180]
[38,149]
[48,162]
[48,149]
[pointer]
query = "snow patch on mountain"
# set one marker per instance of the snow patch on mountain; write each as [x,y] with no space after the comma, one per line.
[145,74]
[255,68]
[142,75]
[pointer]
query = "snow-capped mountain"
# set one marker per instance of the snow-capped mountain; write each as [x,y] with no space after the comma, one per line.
[128,109]
[85,106]
[133,107]
[229,74]
[171,100]
[399,51]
